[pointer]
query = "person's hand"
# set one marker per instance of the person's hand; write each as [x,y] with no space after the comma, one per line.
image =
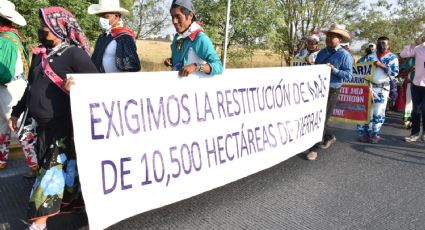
[186,70]
[68,82]
[380,64]
[330,65]
[13,121]
[168,62]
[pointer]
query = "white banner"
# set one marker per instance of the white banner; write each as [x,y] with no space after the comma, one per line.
[145,140]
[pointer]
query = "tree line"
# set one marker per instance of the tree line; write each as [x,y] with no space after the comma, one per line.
[276,25]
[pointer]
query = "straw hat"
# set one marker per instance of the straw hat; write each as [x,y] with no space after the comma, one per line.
[7,11]
[106,6]
[339,29]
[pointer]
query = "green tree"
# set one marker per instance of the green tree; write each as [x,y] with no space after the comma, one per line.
[300,18]
[150,17]
[402,23]
[250,21]
[30,10]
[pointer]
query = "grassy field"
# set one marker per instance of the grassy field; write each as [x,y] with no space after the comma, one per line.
[153,54]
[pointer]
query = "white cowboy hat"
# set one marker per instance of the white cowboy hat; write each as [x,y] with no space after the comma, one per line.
[7,11]
[106,6]
[339,29]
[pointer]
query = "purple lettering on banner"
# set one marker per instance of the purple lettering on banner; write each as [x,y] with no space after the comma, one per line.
[243,100]
[175,161]
[220,149]
[236,135]
[251,141]
[252,90]
[120,116]
[109,190]
[296,90]
[230,157]
[303,92]
[269,106]
[111,122]
[124,172]
[208,108]
[185,108]
[228,103]
[176,100]
[261,107]
[94,121]
[257,139]
[151,114]
[185,149]
[195,144]
[133,116]
[198,118]
[237,112]
[142,112]
[220,104]
[211,151]
[282,128]
[273,136]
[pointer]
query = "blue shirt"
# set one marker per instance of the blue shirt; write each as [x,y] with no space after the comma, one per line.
[203,47]
[342,62]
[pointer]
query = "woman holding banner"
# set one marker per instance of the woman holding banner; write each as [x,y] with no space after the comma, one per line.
[63,50]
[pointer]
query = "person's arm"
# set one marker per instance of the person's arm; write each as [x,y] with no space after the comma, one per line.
[205,50]
[127,58]
[408,51]
[17,110]
[345,70]
[392,68]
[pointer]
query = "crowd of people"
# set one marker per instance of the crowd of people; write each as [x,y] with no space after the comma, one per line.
[41,88]
[38,90]
[383,85]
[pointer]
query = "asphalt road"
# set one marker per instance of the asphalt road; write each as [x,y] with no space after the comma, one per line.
[352,185]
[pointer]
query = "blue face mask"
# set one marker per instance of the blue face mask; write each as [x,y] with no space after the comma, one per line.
[104,24]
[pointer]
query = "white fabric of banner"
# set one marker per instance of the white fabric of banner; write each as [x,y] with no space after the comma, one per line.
[146,140]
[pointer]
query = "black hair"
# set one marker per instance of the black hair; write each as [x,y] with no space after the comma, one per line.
[383,38]
[5,22]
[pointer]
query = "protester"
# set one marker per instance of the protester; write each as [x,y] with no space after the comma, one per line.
[417,89]
[380,87]
[409,67]
[370,54]
[341,64]
[191,49]
[309,54]
[14,65]
[115,49]
[63,50]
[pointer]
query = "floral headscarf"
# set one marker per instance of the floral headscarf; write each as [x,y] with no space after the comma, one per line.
[64,25]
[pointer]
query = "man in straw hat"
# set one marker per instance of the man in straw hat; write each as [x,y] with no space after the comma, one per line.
[191,50]
[341,64]
[115,49]
[14,66]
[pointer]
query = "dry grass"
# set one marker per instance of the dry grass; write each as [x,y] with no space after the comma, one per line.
[153,54]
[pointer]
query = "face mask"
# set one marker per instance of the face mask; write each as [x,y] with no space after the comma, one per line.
[104,24]
[42,38]
[368,51]
[381,47]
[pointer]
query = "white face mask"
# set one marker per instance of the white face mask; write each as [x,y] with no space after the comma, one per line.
[104,24]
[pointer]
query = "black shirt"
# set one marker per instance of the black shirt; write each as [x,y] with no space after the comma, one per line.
[44,99]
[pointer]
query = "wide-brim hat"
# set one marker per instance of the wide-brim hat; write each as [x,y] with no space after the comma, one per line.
[7,11]
[107,6]
[339,29]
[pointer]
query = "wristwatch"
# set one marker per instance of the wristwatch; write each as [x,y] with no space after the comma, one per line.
[199,67]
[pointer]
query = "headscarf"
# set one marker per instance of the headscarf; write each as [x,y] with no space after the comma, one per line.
[64,25]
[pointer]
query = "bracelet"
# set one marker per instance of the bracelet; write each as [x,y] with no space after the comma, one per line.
[199,67]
